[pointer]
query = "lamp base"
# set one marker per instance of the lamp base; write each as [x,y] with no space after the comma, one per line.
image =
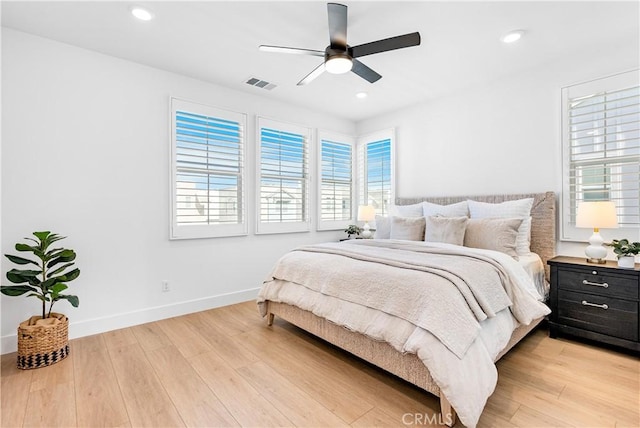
[366,233]
[596,261]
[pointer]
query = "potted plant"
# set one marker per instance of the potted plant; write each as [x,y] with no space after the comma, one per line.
[626,252]
[352,229]
[43,340]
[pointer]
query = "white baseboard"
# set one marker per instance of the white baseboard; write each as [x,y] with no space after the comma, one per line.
[88,327]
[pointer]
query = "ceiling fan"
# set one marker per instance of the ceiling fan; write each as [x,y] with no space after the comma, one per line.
[339,57]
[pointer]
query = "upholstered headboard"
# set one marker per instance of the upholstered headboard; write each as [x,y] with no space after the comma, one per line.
[543,217]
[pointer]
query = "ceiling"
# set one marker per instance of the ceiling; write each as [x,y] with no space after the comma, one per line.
[217,41]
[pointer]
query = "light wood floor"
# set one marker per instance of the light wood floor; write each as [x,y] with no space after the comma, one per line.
[224,367]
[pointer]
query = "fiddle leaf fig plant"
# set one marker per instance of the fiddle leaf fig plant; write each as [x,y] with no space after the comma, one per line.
[53,269]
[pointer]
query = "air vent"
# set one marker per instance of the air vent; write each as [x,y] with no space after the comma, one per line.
[260,83]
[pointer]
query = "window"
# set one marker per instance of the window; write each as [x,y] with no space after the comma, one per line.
[601,151]
[207,156]
[376,171]
[283,178]
[336,185]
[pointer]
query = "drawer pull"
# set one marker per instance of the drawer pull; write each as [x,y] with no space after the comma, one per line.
[596,284]
[594,272]
[595,305]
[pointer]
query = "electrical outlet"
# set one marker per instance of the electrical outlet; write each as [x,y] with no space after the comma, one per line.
[165,286]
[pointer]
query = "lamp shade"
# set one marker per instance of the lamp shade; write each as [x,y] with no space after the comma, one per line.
[366,213]
[596,215]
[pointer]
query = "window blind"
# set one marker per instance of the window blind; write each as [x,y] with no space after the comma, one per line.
[602,148]
[208,183]
[284,176]
[336,198]
[604,153]
[375,164]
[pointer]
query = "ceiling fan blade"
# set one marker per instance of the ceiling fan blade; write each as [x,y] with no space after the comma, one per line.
[337,25]
[284,49]
[365,72]
[392,43]
[311,76]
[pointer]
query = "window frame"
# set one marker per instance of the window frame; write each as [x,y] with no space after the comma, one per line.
[612,83]
[323,135]
[361,167]
[283,227]
[198,231]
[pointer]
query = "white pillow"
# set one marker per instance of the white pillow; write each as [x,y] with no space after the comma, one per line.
[414,210]
[458,209]
[408,228]
[519,208]
[383,228]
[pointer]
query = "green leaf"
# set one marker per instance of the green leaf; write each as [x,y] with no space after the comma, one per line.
[19,276]
[64,257]
[15,290]
[25,247]
[72,299]
[57,288]
[46,285]
[20,260]
[60,269]
[42,235]
[71,275]
[38,296]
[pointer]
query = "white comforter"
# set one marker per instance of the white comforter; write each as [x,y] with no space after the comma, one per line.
[466,375]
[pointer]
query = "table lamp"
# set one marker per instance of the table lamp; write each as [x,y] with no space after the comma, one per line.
[596,215]
[366,213]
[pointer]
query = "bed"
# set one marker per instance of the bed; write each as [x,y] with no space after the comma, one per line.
[385,350]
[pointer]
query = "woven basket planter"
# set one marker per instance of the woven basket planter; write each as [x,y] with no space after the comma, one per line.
[42,342]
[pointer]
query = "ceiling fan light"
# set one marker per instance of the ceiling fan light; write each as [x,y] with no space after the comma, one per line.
[141,13]
[338,65]
[512,36]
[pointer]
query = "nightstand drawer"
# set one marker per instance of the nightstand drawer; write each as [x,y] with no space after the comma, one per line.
[593,281]
[618,318]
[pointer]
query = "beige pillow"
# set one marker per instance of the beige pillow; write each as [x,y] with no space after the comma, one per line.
[498,234]
[445,229]
[408,228]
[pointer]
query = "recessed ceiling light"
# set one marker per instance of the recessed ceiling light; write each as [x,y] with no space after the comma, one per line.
[512,36]
[361,95]
[141,13]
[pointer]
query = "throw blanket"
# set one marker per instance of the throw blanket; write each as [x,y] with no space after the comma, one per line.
[466,378]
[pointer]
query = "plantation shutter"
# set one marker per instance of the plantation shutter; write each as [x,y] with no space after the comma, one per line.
[208,171]
[284,177]
[602,148]
[375,165]
[336,171]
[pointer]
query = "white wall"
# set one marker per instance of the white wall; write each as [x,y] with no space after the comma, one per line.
[85,142]
[504,137]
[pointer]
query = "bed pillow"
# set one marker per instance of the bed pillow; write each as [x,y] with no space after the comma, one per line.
[459,209]
[408,228]
[450,230]
[414,210]
[498,234]
[519,208]
[383,228]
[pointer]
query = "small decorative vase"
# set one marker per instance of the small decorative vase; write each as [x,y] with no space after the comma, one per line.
[626,262]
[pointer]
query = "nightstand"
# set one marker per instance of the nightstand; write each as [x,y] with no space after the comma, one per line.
[595,301]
